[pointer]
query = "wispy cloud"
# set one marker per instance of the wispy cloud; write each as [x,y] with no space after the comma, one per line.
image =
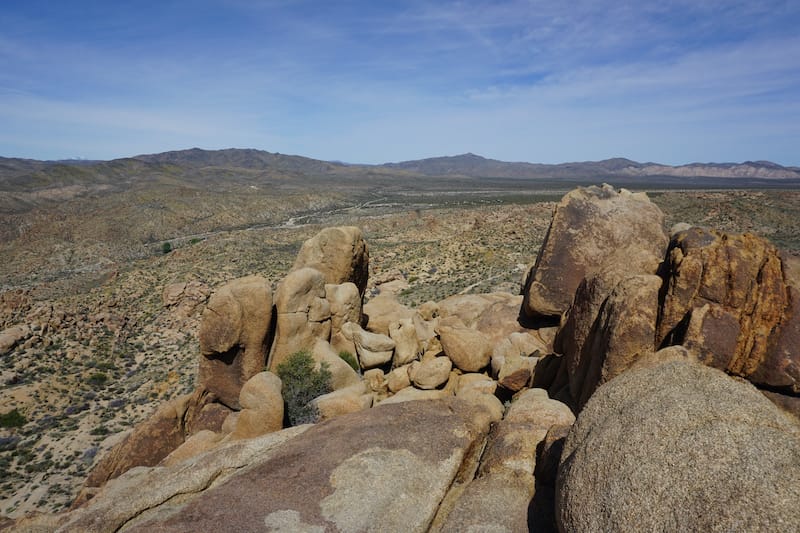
[674,80]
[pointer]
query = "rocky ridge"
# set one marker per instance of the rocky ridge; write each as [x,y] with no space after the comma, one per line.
[494,463]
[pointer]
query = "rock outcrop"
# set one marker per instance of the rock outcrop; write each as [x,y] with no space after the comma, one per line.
[499,497]
[340,254]
[592,227]
[387,468]
[345,304]
[676,446]
[726,297]
[151,441]
[610,324]
[303,314]
[233,336]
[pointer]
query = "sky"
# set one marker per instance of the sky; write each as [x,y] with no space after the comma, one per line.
[668,81]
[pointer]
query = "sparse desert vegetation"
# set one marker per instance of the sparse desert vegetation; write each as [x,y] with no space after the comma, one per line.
[112,318]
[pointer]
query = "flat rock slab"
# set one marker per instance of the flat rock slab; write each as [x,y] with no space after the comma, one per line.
[384,469]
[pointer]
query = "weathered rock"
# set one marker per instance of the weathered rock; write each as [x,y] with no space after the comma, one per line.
[514,442]
[383,310]
[610,324]
[426,330]
[498,499]
[673,445]
[345,303]
[386,468]
[727,299]
[469,349]
[407,345]
[373,349]
[398,378]
[340,254]
[9,337]
[788,404]
[430,373]
[489,402]
[478,382]
[428,310]
[492,504]
[516,372]
[343,401]
[262,407]
[303,314]
[342,374]
[146,445]
[375,381]
[184,297]
[204,413]
[233,333]
[591,227]
[200,442]
[412,394]
[496,314]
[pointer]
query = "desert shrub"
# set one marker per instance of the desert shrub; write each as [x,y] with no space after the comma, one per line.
[350,359]
[12,419]
[98,379]
[301,384]
[166,247]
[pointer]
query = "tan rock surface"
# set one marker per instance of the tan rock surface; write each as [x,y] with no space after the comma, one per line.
[675,445]
[340,254]
[469,349]
[592,227]
[352,471]
[611,323]
[303,314]
[233,333]
[430,373]
[383,310]
[345,302]
[407,345]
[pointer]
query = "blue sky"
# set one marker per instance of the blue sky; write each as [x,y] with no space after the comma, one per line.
[671,81]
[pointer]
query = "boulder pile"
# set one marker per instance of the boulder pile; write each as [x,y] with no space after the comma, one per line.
[621,390]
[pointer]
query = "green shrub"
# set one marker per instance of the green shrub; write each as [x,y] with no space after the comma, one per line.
[12,419]
[98,380]
[350,359]
[301,384]
[166,247]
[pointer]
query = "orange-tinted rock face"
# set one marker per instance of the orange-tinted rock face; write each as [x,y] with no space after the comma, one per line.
[726,297]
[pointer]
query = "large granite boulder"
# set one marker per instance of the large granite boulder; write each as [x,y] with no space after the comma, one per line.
[303,314]
[373,349]
[468,349]
[673,445]
[233,333]
[610,324]
[383,469]
[730,298]
[340,254]
[499,497]
[384,310]
[345,302]
[262,407]
[592,228]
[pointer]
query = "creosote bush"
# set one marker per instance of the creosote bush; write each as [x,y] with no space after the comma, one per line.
[12,419]
[301,384]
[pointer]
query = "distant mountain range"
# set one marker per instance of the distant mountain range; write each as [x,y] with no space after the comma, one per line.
[475,165]
[202,166]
